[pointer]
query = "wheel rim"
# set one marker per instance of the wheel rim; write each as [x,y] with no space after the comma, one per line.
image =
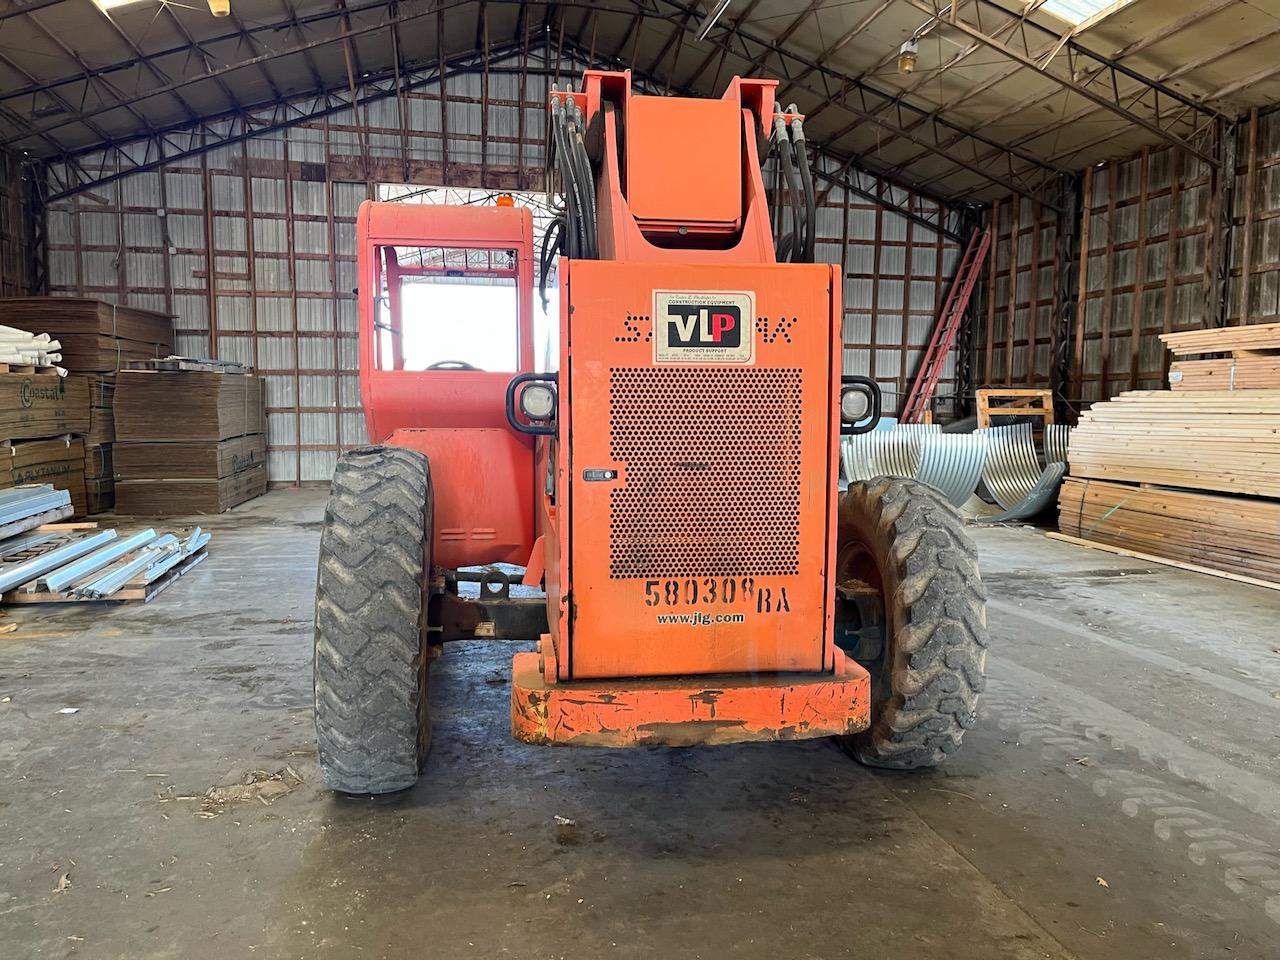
[867,643]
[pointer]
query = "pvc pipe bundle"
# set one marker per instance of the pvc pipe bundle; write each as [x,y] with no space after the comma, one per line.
[36,350]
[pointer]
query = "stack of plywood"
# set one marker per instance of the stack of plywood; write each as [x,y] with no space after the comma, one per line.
[1190,475]
[188,441]
[58,461]
[40,413]
[99,480]
[95,336]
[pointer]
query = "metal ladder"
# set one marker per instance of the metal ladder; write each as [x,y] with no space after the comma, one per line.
[945,330]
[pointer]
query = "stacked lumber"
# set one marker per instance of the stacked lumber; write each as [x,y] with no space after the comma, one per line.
[188,440]
[1225,441]
[1236,373]
[95,336]
[1251,338]
[1206,454]
[1254,363]
[56,461]
[1237,534]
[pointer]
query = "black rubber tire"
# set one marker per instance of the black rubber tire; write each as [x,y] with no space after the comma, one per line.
[371,656]
[926,681]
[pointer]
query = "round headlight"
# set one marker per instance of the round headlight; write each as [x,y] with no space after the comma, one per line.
[853,406]
[538,401]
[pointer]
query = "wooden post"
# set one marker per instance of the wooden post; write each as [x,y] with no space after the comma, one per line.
[1086,205]
[1139,270]
[1246,243]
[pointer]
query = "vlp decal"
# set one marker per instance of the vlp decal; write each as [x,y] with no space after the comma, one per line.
[703,326]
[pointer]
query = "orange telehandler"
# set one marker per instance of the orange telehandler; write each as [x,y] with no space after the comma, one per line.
[671,481]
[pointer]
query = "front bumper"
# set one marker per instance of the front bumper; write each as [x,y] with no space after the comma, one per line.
[687,711]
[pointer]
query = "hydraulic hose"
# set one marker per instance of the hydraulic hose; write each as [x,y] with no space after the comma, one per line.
[792,240]
[587,182]
[549,248]
[576,240]
[806,179]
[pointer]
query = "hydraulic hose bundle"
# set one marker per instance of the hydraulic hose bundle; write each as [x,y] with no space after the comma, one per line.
[795,245]
[573,232]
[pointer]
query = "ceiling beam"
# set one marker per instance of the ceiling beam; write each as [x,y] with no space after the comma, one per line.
[1110,103]
[862,109]
[213,133]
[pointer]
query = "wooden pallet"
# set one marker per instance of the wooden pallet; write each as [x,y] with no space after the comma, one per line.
[132,592]
[1010,403]
[28,368]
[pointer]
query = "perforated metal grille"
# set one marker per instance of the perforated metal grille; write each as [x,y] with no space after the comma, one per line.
[712,471]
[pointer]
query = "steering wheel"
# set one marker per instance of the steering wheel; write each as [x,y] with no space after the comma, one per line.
[452,365]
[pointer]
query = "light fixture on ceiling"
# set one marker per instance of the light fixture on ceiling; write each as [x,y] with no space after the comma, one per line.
[715,15]
[112,4]
[907,55]
[220,8]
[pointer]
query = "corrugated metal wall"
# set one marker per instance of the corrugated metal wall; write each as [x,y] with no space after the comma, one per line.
[1016,333]
[1150,255]
[1256,252]
[15,229]
[1147,235]
[277,213]
[252,246]
[896,275]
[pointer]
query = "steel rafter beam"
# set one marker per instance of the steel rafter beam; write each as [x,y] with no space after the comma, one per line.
[1106,96]
[183,141]
[869,96]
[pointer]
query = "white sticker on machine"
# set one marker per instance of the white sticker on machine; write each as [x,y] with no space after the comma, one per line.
[704,326]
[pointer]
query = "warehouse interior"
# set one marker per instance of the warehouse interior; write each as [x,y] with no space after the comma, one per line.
[1051,232]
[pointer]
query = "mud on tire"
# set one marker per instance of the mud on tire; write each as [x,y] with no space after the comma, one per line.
[927,676]
[371,656]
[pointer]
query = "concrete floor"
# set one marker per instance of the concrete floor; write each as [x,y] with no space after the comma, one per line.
[1120,797]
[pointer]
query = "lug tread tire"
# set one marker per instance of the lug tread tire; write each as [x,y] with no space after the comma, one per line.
[372,725]
[936,632]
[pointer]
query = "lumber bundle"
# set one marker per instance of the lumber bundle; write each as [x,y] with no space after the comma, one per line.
[95,336]
[1245,340]
[188,440]
[162,498]
[177,460]
[42,405]
[187,405]
[1225,441]
[1237,534]
[1234,373]
[57,461]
